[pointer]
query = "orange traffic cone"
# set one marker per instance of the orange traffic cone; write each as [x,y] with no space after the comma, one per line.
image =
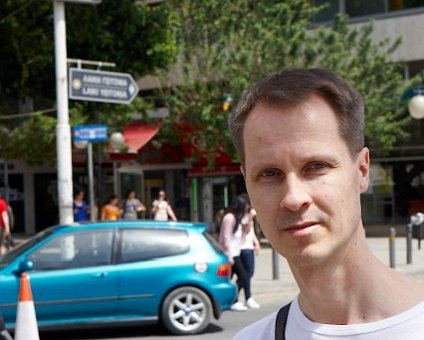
[26,322]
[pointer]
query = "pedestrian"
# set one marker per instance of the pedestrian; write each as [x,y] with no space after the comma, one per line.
[299,135]
[5,229]
[132,206]
[249,246]
[4,226]
[111,210]
[161,208]
[80,207]
[230,239]
[10,242]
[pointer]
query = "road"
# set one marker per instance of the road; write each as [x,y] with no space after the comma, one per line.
[225,328]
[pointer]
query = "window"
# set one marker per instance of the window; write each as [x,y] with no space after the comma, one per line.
[328,12]
[358,8]
[146,244]
[75,250]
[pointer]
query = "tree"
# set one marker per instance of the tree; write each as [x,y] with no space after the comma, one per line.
[137,37]
[225,45]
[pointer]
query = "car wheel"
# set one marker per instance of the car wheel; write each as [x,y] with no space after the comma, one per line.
[186,310]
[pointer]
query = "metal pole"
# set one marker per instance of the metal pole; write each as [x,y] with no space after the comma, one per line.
[409,243]
[392,254]
[275,268]
[115,178]
[91,180]
[195,202]
[6,181]
[63,130]
[100,183]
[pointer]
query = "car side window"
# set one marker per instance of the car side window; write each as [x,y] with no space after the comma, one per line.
[146,244]
[75,250]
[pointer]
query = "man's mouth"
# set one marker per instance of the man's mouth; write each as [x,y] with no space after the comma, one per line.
[300,229]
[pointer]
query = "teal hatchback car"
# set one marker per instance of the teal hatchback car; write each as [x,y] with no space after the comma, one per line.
[120,272]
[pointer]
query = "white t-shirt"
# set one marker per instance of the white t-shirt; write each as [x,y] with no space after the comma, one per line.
[228,239]
[247,240]
[408,325]
[162,211]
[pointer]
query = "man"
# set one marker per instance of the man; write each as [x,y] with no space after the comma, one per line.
[299,134]
[4,225]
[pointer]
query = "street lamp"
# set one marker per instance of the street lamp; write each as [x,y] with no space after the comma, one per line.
[416,106]
[117,141]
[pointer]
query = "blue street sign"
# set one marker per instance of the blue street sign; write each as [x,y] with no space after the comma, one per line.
[90,133]
[101,86]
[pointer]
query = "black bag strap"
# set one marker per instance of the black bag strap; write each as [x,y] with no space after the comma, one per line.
[281,322]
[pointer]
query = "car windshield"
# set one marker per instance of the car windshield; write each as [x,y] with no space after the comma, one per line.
[14,253]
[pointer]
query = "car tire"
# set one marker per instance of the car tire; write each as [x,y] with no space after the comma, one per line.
[186,310]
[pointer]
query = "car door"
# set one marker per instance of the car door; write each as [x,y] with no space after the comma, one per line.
[149,261]
[73,278]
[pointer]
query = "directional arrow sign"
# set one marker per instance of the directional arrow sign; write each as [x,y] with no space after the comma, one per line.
[100,86]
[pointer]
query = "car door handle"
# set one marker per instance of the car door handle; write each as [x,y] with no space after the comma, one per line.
[99,275]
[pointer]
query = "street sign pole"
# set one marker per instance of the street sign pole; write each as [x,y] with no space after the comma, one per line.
[90,134]
[90,180]
[63,130]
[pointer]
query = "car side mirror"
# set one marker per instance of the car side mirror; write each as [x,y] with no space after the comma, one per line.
[25,266]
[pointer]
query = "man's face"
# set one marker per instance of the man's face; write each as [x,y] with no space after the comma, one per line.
[302,180]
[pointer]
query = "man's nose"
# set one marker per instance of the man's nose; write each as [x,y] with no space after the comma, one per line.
[295,193]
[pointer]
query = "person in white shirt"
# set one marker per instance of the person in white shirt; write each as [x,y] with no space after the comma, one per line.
[299,135]
[161,208]
[230,239]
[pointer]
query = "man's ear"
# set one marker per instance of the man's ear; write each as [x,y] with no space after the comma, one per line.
[364,169]
[243,171]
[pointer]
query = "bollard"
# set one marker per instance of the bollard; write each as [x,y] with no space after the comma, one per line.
[392,239]
[409,243]
[275,268]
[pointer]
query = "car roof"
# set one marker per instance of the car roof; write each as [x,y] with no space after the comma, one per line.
[200,227]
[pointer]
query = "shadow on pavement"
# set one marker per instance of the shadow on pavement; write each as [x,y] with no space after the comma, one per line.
[117,332]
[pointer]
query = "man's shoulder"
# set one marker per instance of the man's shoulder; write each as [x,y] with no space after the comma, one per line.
[263,329]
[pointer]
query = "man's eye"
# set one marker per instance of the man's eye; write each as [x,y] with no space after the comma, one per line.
[317,166]
[269,173]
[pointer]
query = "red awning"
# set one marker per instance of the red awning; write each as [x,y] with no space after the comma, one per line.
[136,135]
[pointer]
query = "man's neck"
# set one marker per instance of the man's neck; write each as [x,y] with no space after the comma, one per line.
[354,287]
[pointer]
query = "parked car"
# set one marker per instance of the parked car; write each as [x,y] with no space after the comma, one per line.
[121,271]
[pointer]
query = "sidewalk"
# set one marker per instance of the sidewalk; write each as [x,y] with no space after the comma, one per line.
[263,283]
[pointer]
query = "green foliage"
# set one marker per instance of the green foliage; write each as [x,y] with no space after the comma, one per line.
[223,46]
[26,49]
[136,37]
[352,54]
[228,44]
